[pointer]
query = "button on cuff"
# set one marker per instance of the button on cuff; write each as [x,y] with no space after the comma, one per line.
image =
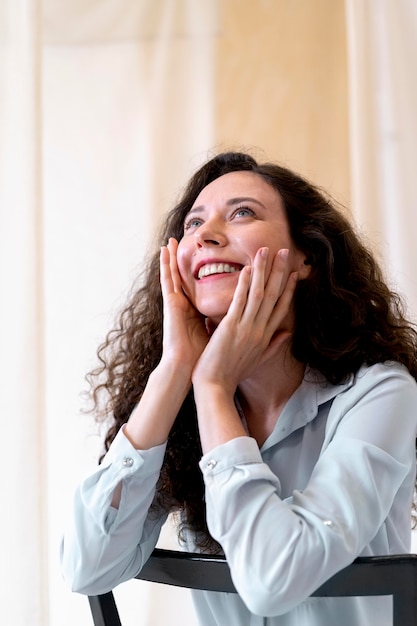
[328,523]
[127,461]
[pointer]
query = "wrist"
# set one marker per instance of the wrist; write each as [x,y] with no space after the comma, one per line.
[173,368]
[218,419]
[217,387]
[152,419]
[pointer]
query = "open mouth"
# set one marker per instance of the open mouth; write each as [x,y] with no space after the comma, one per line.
[217,268]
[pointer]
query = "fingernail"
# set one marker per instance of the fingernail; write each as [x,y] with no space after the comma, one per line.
[264,252]
[283,253]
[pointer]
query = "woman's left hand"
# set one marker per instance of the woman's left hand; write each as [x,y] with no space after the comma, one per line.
[256,325]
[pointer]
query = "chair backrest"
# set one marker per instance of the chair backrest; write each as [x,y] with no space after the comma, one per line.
[394,575]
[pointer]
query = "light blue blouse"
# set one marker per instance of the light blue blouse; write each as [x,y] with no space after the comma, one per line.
[333,481]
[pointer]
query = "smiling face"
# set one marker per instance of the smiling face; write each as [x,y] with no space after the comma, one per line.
[232,218]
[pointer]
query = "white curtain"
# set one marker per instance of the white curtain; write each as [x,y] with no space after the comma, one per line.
[106,107]
[23,584]
[382,61]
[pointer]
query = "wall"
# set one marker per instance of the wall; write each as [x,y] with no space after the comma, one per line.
[281,85]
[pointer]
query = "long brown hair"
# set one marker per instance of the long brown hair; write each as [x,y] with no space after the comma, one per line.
[353,319]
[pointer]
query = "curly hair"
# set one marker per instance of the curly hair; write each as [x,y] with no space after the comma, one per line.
[353,319]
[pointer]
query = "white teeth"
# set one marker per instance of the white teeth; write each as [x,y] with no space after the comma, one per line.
[215,268]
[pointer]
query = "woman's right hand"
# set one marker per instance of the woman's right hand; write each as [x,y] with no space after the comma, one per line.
[184,339]
[184,332]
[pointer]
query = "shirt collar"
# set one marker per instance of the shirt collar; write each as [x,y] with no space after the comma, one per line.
[304,404]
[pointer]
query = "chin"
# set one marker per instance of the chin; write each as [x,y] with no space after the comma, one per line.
[213,310]
[213,315]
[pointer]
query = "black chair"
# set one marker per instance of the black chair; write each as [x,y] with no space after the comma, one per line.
[367,576]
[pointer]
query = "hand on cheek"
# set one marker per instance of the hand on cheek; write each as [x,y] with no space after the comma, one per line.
[185,335]
[255,324]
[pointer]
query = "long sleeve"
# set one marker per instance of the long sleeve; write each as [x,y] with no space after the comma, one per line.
[104,546]
[281,550]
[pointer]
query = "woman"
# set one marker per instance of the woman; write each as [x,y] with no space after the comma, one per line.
[266,348]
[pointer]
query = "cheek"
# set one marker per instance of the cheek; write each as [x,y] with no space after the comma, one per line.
[184,261]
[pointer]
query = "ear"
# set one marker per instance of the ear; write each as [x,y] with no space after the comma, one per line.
[304,268]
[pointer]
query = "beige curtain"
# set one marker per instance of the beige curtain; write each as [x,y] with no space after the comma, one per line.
[105,108]
[382,52]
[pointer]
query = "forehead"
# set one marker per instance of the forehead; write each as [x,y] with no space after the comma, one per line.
[236,185]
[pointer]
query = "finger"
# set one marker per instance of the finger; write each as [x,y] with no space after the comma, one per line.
[257,284]
[275,284]
[267,286]
[280,271]
[175,275]
[279,327]
[284,305]
[240,296]
[167,285]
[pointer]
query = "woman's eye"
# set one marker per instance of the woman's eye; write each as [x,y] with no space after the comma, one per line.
[244,212]
[193,222]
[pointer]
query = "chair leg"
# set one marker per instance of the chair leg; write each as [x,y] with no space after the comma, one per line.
[104,610]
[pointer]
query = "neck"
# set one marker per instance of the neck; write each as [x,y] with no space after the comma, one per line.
[264,395]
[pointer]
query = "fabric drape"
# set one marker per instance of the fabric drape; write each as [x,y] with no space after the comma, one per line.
[105,108]
[23,585]
[382,53]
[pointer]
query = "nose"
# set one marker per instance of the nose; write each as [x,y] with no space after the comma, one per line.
[210,233]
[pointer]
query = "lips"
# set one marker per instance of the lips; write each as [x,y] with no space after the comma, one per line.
[216,267]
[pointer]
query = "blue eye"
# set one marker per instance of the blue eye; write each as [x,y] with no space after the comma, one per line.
[193,222]
[243,212]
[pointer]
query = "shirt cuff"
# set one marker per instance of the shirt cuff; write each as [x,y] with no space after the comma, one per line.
[238,451]
[125,457]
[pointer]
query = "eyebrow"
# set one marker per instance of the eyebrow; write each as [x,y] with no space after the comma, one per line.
[230,202]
